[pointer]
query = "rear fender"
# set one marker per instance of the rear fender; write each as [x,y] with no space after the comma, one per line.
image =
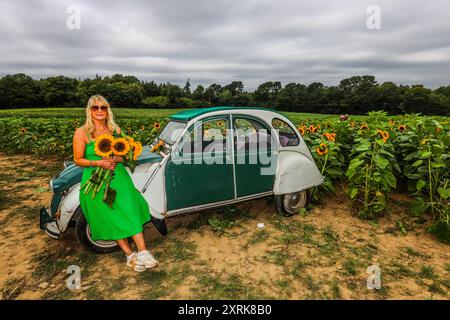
[296,172]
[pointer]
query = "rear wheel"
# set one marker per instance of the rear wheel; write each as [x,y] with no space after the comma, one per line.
[84,236]
[290,203]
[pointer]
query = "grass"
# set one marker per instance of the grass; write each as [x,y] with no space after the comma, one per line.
[228,287]
[427,272]
[257,237]
[413,253]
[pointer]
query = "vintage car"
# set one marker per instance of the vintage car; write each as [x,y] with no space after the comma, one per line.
[207,158]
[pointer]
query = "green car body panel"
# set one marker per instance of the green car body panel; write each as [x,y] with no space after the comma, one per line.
[193,179]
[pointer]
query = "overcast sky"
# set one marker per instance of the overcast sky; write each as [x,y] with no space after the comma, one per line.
[219,41]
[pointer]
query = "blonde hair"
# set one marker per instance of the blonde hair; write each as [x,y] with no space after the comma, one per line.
[109,121]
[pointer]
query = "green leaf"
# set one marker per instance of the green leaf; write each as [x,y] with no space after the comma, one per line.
[444,192]
[363,147]
[420,184]
[390,179]
[417,163]
[353,193]
[418,206]
[381,162]
[438,165]
[355,163]
[425,154]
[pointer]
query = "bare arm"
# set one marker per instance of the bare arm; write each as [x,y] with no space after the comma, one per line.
[79,146]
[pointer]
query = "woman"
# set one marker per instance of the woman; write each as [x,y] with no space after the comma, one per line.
[130,210]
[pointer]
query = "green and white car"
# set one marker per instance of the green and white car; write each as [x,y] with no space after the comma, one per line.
[211,157]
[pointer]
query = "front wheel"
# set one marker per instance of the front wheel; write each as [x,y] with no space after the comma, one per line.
[83,233]
[290,203]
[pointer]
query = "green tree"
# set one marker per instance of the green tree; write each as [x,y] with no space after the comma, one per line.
[18,91]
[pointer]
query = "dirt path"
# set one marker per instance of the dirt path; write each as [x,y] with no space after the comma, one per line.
[222,253]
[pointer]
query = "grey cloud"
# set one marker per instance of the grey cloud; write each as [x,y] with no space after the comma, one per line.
[227,40]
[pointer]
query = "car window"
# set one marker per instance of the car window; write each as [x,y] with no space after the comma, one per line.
[288,137]
[207,136]
[250,135]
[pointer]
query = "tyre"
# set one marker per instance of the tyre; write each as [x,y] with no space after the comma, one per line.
[289,204]
[83,233]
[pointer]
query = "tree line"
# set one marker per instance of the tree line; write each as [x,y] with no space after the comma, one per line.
[354,95]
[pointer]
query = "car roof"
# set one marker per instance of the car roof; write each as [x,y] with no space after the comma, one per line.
[187,115]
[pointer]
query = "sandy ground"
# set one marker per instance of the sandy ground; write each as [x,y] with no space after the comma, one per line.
[323,254]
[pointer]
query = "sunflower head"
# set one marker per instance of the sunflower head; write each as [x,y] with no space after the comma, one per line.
[322,149]
[302,130]
[136,146]
[364,126]
[156,126]
[120,147]
[34,138]
[220,123]
[103,145]
[22,130]
[329,136]
[402,127]
[384,135]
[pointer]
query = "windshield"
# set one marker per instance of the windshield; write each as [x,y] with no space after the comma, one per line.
[172,131]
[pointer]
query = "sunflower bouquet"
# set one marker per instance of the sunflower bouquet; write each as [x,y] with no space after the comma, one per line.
[107,146]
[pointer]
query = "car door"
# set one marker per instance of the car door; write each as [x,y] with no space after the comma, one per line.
[255,161]
[200,170]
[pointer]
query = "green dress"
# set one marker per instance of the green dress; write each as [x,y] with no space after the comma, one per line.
[130,210]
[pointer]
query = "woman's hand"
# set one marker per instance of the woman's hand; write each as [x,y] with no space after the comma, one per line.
[118,158]
[107,163]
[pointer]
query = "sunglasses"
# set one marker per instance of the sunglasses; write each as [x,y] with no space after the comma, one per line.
[98,108]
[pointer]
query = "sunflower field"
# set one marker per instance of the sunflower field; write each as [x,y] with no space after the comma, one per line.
[369,156]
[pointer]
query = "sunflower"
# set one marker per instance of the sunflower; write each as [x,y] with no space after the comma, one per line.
[301,130]
[353,124]
[384,135]
[220,123]
[22,130]
[62,147]
[312,129]
[402,127]
[156,125]
[364,126]
[136,146]
[129,130]
[34,138]
[120,147]
[103,145]
[438,130]
[329,136]
[322,149]
[157,146]
[53,144]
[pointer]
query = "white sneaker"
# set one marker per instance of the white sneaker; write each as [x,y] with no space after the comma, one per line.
[147,259]
[132,262]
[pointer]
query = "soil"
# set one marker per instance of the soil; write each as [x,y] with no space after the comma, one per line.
[323,254]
